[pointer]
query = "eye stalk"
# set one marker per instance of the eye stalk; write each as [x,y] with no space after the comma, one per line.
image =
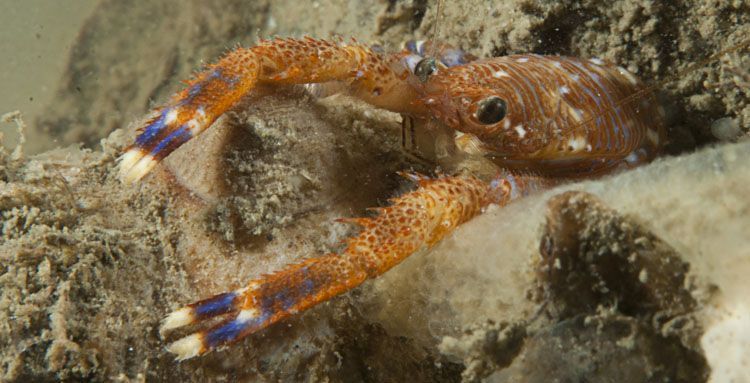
[425,68]
[491,110]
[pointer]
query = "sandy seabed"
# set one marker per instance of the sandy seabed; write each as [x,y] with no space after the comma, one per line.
[638,276]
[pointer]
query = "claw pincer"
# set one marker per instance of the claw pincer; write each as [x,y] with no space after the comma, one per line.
[414,221]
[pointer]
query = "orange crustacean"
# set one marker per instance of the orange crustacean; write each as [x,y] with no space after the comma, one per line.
[542,120]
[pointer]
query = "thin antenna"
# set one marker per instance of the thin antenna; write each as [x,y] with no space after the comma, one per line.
[436,29]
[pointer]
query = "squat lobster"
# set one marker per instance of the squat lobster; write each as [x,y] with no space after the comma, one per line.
[554,117]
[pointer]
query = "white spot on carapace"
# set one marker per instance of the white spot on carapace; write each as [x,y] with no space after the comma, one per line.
[557,65]
[564,89]
[247,315]
[588,147]
[596,61]
[576,113]
[522,59]
[575,144]
[500,73]
[187,347]
[628,76]
[520,130]
[575,78]
[506,124]
[179,318]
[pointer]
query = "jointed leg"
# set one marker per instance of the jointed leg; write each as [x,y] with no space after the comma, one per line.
[370,75]
[414,221]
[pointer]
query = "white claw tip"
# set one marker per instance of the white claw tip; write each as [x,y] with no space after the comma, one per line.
[179,318]
[187,347]
[135,164]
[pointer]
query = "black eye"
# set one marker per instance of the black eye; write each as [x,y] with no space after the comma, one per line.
[491,110]
[425,68]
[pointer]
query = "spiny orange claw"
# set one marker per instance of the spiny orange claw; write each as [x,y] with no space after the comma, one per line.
[280,62]
[414,221]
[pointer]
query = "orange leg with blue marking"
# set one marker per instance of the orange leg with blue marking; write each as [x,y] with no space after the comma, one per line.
[365,73]
[414,221]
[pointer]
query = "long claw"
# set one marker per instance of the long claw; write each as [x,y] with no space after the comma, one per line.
[189,113]
[208,308]
[279,62]
[242,321]
[171,128]
[200,342]
[247,321]
[415,220]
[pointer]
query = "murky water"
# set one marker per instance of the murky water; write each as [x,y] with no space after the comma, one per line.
[35,41]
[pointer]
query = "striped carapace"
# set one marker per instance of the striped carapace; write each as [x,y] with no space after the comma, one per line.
[563,116]
[553,117]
